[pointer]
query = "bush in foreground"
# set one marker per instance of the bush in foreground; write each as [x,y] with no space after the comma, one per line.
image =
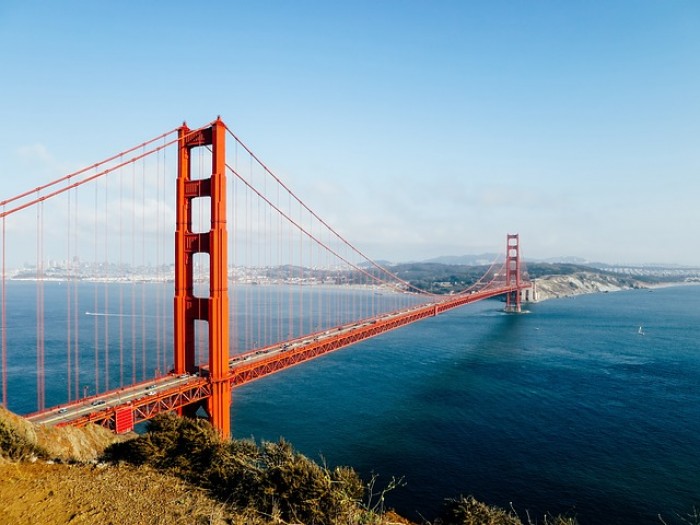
[469,511]
[272,478]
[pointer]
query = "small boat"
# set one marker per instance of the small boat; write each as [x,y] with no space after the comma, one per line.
[641,330]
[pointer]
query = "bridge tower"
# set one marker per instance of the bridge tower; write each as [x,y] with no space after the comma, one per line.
[513,273]
[214,308]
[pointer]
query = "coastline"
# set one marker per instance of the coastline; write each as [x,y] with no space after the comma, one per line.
[580,283]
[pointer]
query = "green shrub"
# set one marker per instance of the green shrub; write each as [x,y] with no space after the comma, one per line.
[470,511]
[272,478]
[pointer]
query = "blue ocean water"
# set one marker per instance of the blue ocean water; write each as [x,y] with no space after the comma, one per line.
[564,409]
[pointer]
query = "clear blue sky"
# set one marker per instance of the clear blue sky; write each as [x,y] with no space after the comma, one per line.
[417,129]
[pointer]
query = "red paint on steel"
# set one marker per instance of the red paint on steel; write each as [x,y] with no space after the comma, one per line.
[123,419]
[212,309]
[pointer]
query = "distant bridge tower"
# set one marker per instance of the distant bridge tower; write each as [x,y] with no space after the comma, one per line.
[188,307]
[513,273]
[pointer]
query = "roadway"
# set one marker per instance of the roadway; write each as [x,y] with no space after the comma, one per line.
[171,392]
[111,399]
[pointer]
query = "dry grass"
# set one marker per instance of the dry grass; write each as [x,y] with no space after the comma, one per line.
[56,494]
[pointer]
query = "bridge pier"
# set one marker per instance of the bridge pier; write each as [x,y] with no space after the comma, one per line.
[530,295]
[513,308]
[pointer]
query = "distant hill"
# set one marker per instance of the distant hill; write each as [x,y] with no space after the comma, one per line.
[443,278]
[488,258]
[381,262]
[438,277]
[566,260]
[468,260]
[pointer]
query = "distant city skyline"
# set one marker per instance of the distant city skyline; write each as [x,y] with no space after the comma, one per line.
[415,129]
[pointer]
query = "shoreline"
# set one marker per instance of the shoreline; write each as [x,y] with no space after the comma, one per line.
[582,283]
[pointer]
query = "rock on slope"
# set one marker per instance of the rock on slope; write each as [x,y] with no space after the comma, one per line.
[65,443]
[581,283]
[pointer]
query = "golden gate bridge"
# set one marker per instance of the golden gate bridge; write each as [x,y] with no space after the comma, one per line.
[122,320]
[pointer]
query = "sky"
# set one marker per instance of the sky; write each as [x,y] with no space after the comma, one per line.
[416,129]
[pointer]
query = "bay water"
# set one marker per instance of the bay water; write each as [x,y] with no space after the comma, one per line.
[567,408]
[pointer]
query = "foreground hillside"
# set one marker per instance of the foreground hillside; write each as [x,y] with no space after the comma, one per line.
[32,493]
[52,476]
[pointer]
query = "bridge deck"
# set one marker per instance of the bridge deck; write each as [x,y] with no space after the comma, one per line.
[142,401]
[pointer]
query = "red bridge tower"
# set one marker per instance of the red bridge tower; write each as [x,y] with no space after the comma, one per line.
[188,307]
[513,273]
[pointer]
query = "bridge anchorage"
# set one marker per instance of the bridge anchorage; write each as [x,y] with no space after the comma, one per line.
[309,298]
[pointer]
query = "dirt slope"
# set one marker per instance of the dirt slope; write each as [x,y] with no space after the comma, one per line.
[56,494]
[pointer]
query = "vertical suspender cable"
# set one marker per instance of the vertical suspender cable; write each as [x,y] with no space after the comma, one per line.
[121,285]
[106,263]
[268,264]
[290,306]
[300,290]
[250,335]
[280,324]
[157,291]
[265,263]
[260,263]
[3,321]
[143,266]
[309,264]
[245,262]
[76,329]
[69,314]
[133,317]
[40,307]
[165,303]
[233,208]
[235,259]
[161,352]
[95,302]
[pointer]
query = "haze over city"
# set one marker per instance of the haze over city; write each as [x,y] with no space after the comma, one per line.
[416,129]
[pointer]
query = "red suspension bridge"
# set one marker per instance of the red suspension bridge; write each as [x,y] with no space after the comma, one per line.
[112,320]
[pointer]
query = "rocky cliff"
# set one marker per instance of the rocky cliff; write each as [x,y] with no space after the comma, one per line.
[583,282]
